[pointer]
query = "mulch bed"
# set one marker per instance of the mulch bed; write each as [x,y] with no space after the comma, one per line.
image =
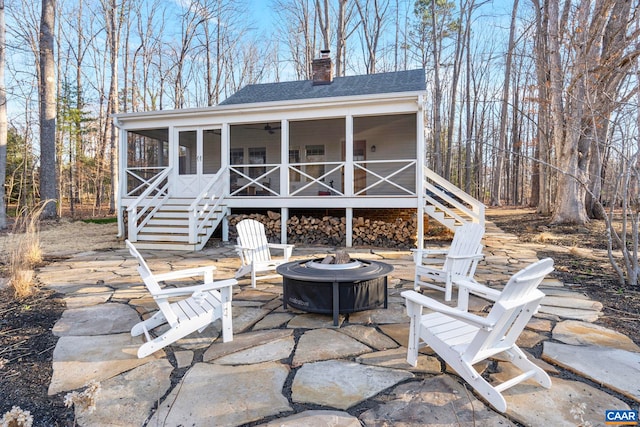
[26,350]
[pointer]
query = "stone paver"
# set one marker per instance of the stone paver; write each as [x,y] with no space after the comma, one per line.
[369,336]
[325,344]
[211,395]
[340,384]
[583,333]
[79,359]
[91,295]
[268,352]
[243,342]
[617,369]
[101,319]
[397,358]
[553,407]
[127,399]
[316,419]
[279,357]
[439,400]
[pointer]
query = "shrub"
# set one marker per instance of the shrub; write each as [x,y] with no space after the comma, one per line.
[25,251]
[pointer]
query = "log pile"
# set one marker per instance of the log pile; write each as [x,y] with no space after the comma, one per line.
[331,231]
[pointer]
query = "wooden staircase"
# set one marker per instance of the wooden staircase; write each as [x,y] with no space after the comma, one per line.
[448,204]
[168,228]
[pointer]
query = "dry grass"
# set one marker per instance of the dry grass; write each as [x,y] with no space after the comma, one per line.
[544,237]
[25,252]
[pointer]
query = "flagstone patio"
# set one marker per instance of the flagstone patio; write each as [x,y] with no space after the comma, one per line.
[290,368]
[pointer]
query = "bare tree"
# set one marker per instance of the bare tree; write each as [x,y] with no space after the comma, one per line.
[3,120]
[323,14]
[433,28]
[114,18]
[341,36]
[47,86]
[373,20]
[502,134]
[584,90]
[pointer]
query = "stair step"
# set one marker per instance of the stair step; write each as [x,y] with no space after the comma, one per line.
[166,246]
[159,229]
[178,222]
[166,213]
[153,237]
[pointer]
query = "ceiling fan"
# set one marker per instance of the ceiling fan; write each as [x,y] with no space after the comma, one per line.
[268,128]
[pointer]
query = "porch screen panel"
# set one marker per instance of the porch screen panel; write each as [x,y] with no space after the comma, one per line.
[188,152]
[315,154]
[389,164]
[147,156]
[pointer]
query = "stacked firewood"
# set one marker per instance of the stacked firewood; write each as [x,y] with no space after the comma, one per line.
[331,231]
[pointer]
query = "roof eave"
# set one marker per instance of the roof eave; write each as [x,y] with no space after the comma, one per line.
[271,105]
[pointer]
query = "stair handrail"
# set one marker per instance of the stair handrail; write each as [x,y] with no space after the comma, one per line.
[207,203]
[472,208]
[144,202]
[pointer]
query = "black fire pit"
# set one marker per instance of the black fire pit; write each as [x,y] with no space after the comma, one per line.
[316,287]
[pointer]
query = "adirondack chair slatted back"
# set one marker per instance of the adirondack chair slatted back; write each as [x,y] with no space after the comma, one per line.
[252,235]
[511,312]
[152,284]
[466,241]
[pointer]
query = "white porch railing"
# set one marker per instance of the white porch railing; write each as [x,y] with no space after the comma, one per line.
[147,203]
[261,183]
[142,181]
[337,167]
[209,202]
[450,199]
[376,179]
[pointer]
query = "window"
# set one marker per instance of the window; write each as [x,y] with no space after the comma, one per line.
[236,156]
[257,156]
[294,157]
[314,154]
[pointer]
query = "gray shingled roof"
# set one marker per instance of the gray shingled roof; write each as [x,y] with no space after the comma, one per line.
[399,81]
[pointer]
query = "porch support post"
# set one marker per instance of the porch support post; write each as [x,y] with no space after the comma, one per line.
[284,160]
[349,226]
[225,229]
[225,150]
[284,218]
[122,172]
[420,165]
[348,158]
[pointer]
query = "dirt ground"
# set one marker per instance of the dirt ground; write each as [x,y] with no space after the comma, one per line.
[26,342]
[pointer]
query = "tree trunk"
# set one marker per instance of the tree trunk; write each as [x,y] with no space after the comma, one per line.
[340,36]
[3,119]
[437,88]
[496,187]
[48,180]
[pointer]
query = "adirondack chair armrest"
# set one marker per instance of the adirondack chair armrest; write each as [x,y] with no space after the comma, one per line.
[476,256]
[185,290]
[477,289]
[419,254]
[288,249]
[188,272]
[437,306]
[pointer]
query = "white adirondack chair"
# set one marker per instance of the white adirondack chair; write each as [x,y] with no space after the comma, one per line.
[198,307]
[461,260]
[463,339]
[255,251]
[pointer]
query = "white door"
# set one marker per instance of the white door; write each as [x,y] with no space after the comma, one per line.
[198,160]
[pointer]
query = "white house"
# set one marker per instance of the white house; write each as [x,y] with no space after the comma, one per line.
[340,143]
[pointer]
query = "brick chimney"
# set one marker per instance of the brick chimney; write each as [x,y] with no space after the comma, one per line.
[322,69]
